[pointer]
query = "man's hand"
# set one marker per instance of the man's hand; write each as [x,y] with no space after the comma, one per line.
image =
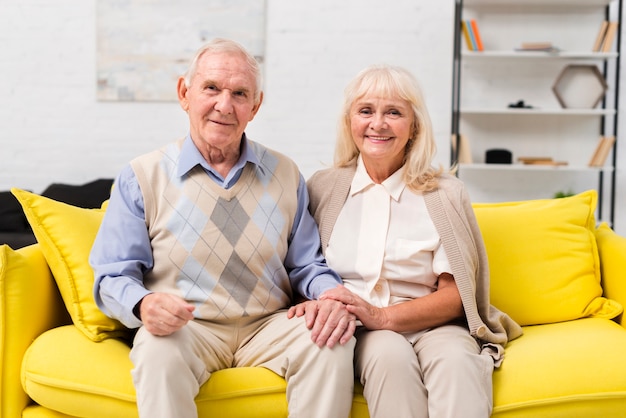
[162,313]
[328,320]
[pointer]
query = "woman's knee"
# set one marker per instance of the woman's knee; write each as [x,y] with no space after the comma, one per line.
[387,351]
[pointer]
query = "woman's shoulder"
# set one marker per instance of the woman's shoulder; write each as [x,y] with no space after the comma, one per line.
[328,176]
[322,175]
[448,182]
[326,183]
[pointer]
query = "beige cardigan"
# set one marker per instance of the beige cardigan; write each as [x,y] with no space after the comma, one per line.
[451,211]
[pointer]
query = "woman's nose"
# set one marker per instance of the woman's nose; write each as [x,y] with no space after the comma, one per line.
[378,122]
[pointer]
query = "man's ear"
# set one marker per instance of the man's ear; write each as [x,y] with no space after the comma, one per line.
[182,90]
[256,107]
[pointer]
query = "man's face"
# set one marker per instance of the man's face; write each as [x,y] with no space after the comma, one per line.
[220,100]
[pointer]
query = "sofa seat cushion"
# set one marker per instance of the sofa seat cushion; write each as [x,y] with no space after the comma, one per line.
[568,369]
[93,379]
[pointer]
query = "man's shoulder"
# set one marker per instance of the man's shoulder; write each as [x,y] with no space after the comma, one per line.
[269,156]
[171,150]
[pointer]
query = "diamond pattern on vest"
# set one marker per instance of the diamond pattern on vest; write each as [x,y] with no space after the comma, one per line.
[222,249]
[230,218]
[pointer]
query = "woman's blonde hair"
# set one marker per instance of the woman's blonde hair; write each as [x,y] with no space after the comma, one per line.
[392,82]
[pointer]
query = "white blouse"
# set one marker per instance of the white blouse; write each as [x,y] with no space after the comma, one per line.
[384,244]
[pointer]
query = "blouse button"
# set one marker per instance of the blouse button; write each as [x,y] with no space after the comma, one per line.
[378,288]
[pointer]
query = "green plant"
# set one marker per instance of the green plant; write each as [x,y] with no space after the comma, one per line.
[562,193]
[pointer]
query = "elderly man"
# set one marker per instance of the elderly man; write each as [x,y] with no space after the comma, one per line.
[204,245]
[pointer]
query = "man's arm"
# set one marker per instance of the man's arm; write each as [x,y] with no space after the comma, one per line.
[308,272]
[329,320]
[121,253]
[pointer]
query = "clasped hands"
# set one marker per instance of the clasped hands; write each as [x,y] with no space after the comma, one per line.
[332,318]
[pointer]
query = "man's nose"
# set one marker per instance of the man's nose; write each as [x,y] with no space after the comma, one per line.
[224,102]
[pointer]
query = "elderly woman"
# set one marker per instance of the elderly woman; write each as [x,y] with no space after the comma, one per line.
[404,238]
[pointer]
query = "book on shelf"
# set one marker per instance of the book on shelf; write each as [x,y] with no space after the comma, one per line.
[467,34]
[609,37]
[605,37]
[476,33]
[464,154]
[541,161]
[600,154]
[597,45]
[537,46]
[474,42]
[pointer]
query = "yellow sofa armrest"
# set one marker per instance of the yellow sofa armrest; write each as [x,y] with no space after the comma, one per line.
[612,249]
[30,304]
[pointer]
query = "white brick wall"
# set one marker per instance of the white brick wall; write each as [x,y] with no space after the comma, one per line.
[54,129]
[312,53]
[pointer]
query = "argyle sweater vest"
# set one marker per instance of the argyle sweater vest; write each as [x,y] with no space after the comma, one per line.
[222,250]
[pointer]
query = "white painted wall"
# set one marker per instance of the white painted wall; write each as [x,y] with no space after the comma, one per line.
[54,129]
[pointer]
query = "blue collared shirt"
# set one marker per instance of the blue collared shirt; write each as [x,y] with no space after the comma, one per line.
[121,253]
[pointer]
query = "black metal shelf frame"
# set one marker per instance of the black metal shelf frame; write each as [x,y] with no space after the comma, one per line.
[456,104]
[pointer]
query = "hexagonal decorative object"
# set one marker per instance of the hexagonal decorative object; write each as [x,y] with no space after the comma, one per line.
[580,86]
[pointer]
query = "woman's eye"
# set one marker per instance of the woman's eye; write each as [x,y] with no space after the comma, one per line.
[365,111]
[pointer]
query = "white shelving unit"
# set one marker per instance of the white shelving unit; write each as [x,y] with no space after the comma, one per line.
[487,82]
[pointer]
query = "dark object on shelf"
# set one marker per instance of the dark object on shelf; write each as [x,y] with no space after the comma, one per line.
[520,105]
[498,156]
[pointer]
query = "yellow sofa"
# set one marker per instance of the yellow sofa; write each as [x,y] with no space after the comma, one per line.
[553,271]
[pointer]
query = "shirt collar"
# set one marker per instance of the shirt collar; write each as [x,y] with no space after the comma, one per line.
[394,185]
[190,157]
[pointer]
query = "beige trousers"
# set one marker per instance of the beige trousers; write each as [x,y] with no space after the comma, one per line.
[168,371]
[441,375]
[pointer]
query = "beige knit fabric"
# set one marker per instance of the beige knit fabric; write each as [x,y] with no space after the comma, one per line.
[451,211]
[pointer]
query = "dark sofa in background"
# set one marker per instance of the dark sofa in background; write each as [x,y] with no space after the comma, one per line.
[14,228]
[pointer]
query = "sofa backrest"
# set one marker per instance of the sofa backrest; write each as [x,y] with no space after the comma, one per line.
[543,259]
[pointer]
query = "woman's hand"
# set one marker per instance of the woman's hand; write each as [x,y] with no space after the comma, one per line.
[371,316]
[433,310]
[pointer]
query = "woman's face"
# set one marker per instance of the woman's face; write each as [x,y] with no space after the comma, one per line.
[381,128]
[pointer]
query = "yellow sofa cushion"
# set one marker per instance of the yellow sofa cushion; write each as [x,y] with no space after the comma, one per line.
[66,234]
[29,305]
[544,259]
[94,379]
[545,373]
[88,379]
[612,249]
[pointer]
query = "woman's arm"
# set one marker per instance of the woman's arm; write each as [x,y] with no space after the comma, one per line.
[438,308]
